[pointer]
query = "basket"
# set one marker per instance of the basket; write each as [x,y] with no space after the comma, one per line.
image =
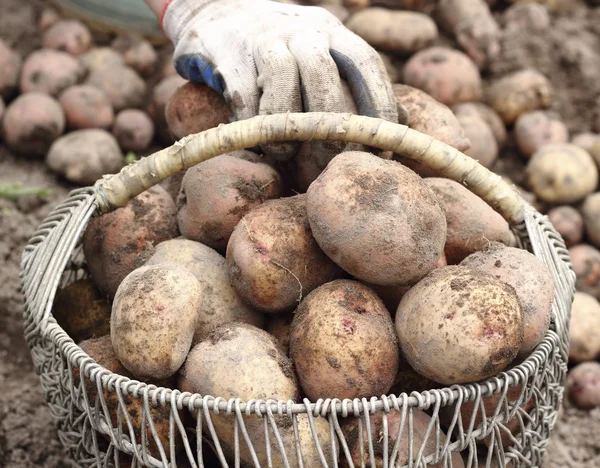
[85,397]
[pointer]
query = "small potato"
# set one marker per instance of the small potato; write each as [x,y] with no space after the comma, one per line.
[86,107]
[468,230]
[84,156]
[530,17]
[489,116]
[153,319]
[343,344]
[82,311]
[32,122]
[459,325]
[10,69]
[102,58]
[193,108]
[401,32]
[568,222]
[484,147]
[217,193]
[586,265]
[122,85]
[48,17]
[583,385]
[133,129]
[70,36]
[273,259]
[279,326]
[584,328]
[50,71]
[531,280]
[156,108]
[562,173]
[116,243]
[220,302]
[362,206]
[586,140]
[138,53]
[590,212]
[537,129]
[446,74]
[518,93]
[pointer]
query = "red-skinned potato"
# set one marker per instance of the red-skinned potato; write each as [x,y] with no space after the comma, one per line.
[138,53]
[10,69]
[584,328]
[70,36]
[50,71]
[568,222]
[48,17]
[133,129]
[86,107]
[536,129]
[102,58]
[586,265]
[122,85]
[583,385]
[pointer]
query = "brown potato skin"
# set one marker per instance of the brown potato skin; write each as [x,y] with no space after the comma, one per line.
[343,344]
[133,129]
[459,325]
[50,71]
[113,242]
[122,85]
[342,203]
[279,326]
[10,69]
[536,129]
[70,36]
[590,212]
[568,222]
[586,265]
[583,385]
[584,328]
[86,107]
[158,102]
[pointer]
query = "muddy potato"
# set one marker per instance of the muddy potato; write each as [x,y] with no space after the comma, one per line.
[138,53]
[583,385]
[68,35]
[584,328]
[586,265]
[590,212]
[158,102]
[562,173]
[86,107]
[116,243]
[568,222]
[122,85]
[489,116]
[10,69]
[50,71]
[279,326]
[537,129]
[133,129]
[102,58]
[459,325]
[484,147]
[220,302]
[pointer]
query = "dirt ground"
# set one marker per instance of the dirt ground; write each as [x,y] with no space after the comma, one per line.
[568,53]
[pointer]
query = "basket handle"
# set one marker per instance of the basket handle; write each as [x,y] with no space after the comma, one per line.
[116,190]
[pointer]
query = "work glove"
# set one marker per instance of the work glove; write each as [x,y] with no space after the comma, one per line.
[266,57]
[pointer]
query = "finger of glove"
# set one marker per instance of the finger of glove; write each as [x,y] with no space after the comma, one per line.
[279,82]
[240,88]
[198,69]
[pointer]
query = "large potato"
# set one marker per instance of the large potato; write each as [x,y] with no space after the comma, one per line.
[568,222]
[273,259]
[584,328]
[363,207]
[343,344]
[459,325]
[154,318]
[50,71]
[220,302]
[586,265]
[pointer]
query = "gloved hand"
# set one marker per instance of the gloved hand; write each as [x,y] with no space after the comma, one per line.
[267,57]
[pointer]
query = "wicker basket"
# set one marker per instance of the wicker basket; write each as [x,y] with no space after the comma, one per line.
[82,394]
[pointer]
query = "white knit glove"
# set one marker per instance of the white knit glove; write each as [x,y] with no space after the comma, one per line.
[267,57]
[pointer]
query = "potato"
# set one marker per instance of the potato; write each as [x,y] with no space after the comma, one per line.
[82,311]
[489,116]
[401,32]
[99,59]
[568,222]
[446,74]
[586,265]
[406,239]
[193,108]
[518,93]
[584,328]
[154,318]
[70,36]
[156,109]
[562,173]
[530,17]
[583,385]
[468,230]
[343,344]
[459,325]
[484,147]
[86,107]
[586,140]
[113,242]
[48,17]
[50,71]
[133,129]
[279,326]
[138,53]
[300,171]
[273,259]
[537,129]
[32,122]
[84,156]
[590,211]
[220,302]
[531,280]
[122,85]
[10,69]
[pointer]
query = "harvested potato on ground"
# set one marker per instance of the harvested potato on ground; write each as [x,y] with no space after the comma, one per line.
[86,107]
[273,259]
[220,302]
[531,280]
[343,344]
[70,36]
[488,115]
[590,212]
[154,319]
[568,222]
[156,108]
[138,53]
[484,147]
[562,173]
[84,156]
[586,265]
[406,239]
[102,58]
[10,69]
[32,122]
[116,243]
[279,326]
[583,385]
[48,17]
[537,129]
[459,325]
[133,129]
[584,328]
[50,71]
[526,17]
[217,193]
[401,32]
[586,140]
[518,93]
[122,85]
[446,74]
[82,311]
[468,230]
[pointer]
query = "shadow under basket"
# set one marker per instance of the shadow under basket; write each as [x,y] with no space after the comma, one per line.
[105,419]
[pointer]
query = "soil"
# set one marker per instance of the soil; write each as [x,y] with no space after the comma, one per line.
[568,53]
